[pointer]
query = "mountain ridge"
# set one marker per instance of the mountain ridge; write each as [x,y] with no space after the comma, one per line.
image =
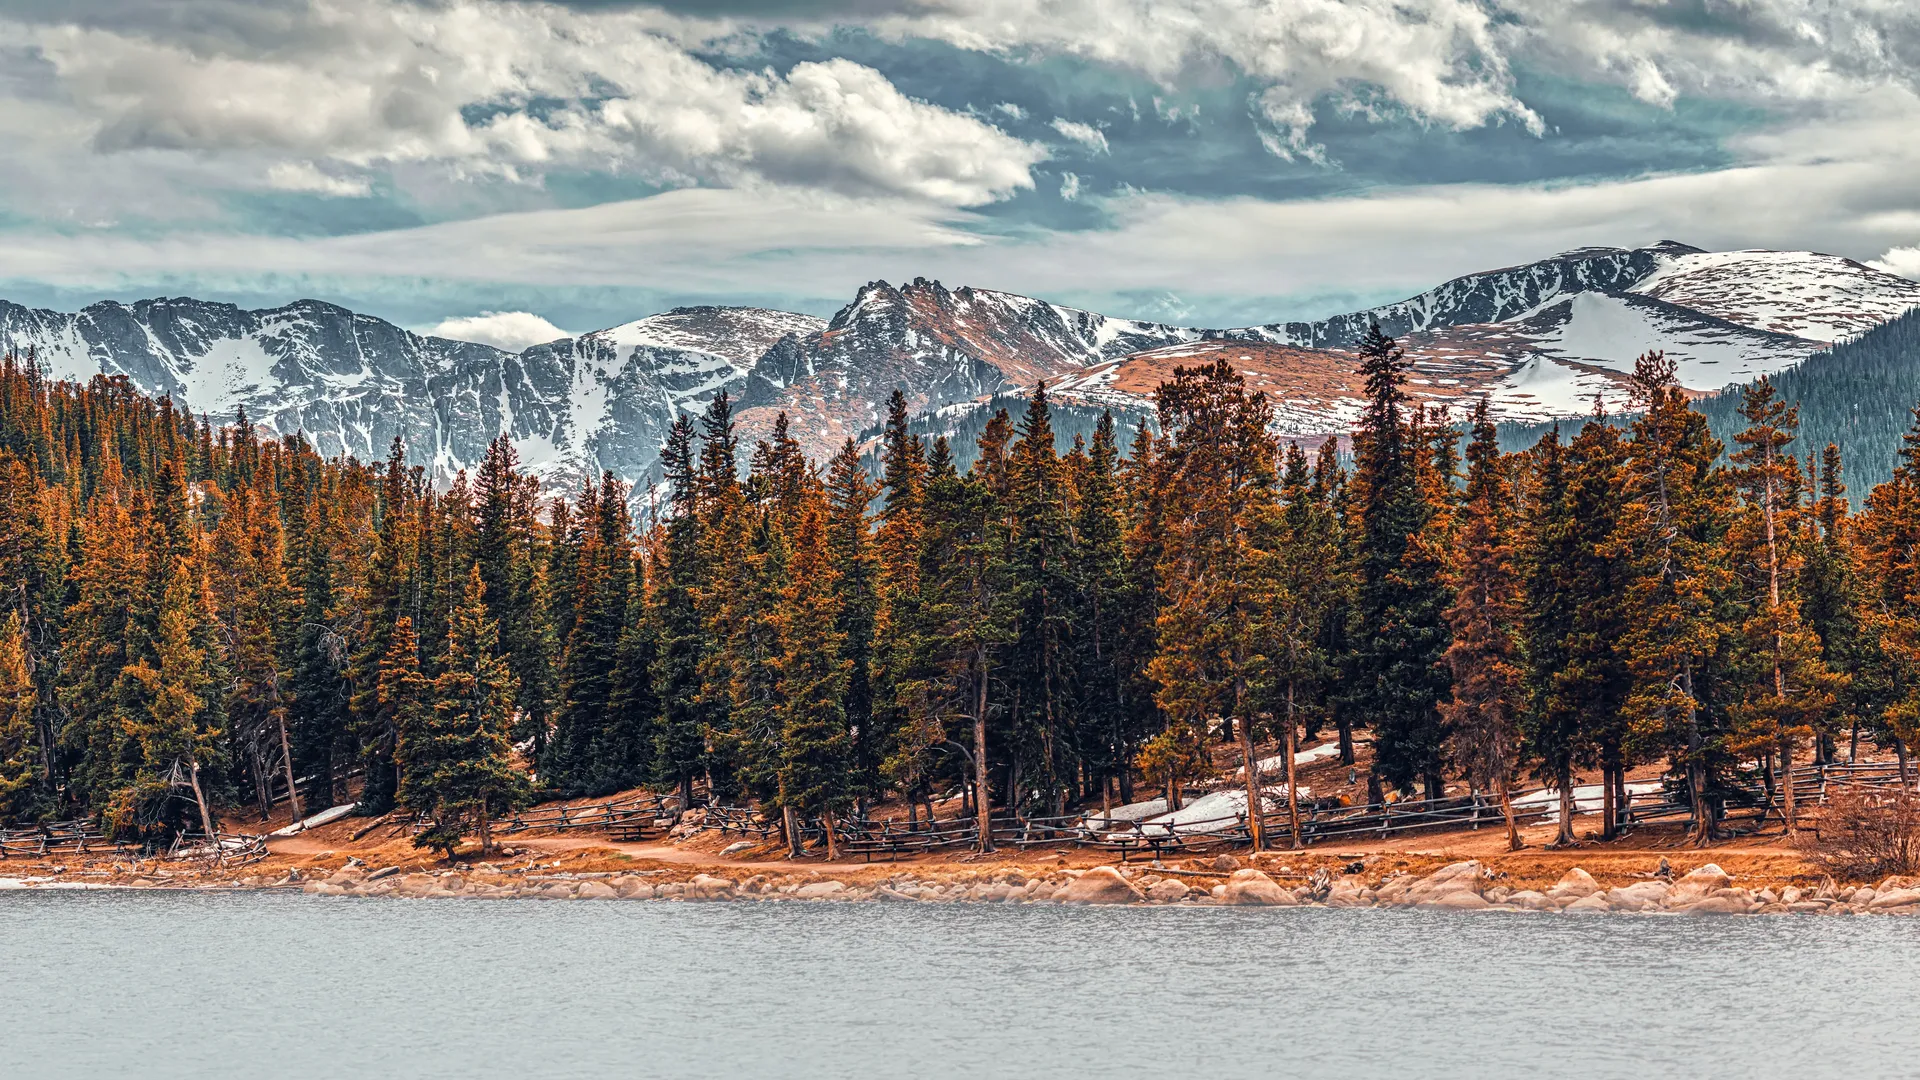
[1538,339]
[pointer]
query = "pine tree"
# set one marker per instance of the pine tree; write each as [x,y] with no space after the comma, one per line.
[385,603]
[1040,593]
[680,746]
[816,760]
[852,554]
[1398,634]
[1482,716]
[458,766]
[1670,532]
[1790,693]
[18,697]
[1218,465]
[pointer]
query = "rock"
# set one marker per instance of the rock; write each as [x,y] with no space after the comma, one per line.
[1499,894]
[596,890]
[1225,863]
[1348,892]
[1458,900]
[1885,899]
[1573,885]
[1168,891]
[821,890]
[1766,896]
[1592,904]
[1253,888]
[1697,885]
[1715,905]
[736,848]
[387,872]
[707,887]
[1807,907]
[1100,885]
[1218,891]
[1790,895]
[885,893]
[1863,896]
[636,890]
[1640,896]
[1531,900]
[1453,878]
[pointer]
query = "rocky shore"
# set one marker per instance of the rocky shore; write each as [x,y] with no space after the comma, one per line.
[1456,886]
[1460,886]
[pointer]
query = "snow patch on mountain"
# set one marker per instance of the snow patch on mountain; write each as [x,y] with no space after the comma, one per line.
[1801,293]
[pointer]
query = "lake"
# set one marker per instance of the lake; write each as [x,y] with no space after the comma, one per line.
[210,986]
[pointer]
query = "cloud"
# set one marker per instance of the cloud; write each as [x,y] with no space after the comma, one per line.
[305,176]
[1904,261]
[1241,259]
[490,89]
[510,330]
[1088,136]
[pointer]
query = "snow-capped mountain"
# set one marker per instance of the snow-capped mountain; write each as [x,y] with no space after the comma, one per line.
[1547,339]
[1540,340]
[352,383]
[937,346]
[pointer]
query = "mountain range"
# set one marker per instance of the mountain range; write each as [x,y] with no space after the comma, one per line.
[1539,341]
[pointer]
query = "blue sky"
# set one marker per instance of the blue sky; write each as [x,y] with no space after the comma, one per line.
[511,169]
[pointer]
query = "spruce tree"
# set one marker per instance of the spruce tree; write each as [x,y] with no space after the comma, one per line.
[1671,531]
[1789,691]
[816,748]
[1397,637]
[460,767]
[1218,484]
[1488,693]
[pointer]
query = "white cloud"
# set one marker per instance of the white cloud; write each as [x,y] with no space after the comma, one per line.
[743,246]
[1069,187]
[1444,60]
[1904,261]
[305,176]
[483,87]
[510,330]
[1086,135]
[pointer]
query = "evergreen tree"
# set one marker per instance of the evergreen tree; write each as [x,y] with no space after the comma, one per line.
[816,748]
[1670,531]
[457,762]
[18,696]
[1488,695]
[1790,693]
[1218,464]
[1398,635]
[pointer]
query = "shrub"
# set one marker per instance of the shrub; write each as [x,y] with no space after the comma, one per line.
[1867,834]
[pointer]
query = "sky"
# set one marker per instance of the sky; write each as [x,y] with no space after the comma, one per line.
[513,171]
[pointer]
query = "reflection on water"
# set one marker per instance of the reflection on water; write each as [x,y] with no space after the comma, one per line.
[251,986]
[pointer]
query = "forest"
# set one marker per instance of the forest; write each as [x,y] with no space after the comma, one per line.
[204,620]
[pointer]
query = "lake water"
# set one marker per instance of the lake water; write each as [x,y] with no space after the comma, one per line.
[257,986]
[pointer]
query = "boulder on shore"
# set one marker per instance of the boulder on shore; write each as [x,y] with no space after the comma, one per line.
[1100,885]
[708,887]
[1697,885]
[1460,877]
[1592,904]
[820,890]
[1168,891]
[1253,888]
[1573,885]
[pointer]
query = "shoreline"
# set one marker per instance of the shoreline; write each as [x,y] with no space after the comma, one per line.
[1465,886]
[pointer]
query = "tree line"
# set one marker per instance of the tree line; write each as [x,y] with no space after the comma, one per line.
[202,619]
